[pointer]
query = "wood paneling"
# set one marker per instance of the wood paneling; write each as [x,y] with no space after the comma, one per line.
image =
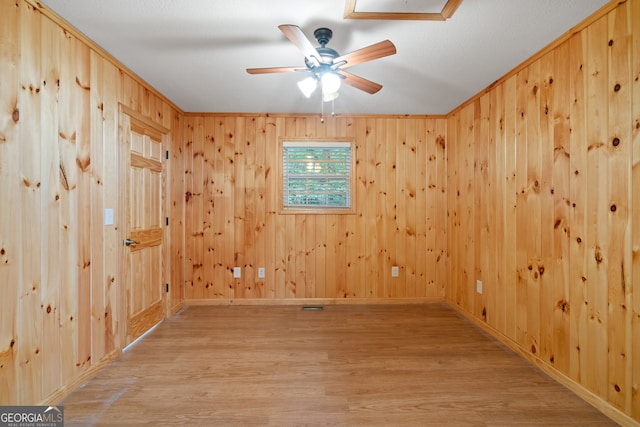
[633,330]
[530,187]
[60,299]
[543,209]
[11,214]
[232,218]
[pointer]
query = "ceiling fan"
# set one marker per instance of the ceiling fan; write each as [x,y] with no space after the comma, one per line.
[326,65]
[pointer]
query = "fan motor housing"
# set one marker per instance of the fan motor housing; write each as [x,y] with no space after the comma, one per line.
[323,35]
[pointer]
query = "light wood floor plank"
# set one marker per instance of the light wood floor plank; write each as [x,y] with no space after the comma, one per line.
[346,365]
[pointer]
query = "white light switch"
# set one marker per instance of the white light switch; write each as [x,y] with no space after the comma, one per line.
[479,286]
[237,272]
[108,216]
[260,272]
[395,271]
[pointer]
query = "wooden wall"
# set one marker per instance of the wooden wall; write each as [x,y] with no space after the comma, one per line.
[544,209]
[531,187]
[232,215]
[60,298]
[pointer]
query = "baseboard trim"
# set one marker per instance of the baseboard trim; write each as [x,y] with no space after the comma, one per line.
[312,301]
[591,398]
[60,394]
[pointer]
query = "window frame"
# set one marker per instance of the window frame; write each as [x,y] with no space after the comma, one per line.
[316,210]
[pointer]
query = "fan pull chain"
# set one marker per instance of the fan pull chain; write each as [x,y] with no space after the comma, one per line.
[321,110]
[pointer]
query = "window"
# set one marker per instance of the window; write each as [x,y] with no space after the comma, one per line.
[317,176]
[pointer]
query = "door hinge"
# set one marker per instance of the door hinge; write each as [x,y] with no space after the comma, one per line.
[166,221]
[166,288]
[166,154]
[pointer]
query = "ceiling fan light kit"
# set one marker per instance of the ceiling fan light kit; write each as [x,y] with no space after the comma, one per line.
[326,65]
[308,86]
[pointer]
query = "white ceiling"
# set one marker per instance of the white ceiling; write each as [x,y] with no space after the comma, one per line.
[195,52]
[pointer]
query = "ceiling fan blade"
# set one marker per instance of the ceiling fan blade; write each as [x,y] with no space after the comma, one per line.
[359,82]
[297,37]
[273,70]
[369,53]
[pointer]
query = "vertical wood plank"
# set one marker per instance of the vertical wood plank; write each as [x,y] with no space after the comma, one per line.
[220,287]
[618,143]
[260,195]
[425,205]
[382,197]
[82,90]
[249,224]
[441,229]
[522,220]
[96,236]
[271,203]
[279,220]
[189,207]
[510,269]
[68,202]
[597,208]
[467,207]
[390,208]
[229,205]
[208,204]
[533,207]
[490,263]
[578,214]
[373,215]
[113,313]
[500,292]
[411,193]
[400,215]
[198,203]
[239,242]
[29,313]
[481,252]
[546,266]
[10,234]
[635,209]
[50,212]
[453,197]
[561,208]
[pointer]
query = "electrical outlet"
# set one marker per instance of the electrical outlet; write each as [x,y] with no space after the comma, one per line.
[237,272]
[395,271]
[260,272]
[479,286]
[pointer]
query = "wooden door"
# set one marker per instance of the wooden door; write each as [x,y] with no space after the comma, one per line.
[143,270]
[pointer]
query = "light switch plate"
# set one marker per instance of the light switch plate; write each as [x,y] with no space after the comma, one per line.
[479,286]
[395,271]
[108,216]
[260,272]
[237,272]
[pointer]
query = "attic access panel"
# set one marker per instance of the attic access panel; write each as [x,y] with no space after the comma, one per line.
[426,10]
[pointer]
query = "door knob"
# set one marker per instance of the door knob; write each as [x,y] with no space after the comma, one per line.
[130,242]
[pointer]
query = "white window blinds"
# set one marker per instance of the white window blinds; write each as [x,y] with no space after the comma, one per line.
[317,174]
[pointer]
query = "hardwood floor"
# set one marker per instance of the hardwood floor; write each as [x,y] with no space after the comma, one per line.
[396,365]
